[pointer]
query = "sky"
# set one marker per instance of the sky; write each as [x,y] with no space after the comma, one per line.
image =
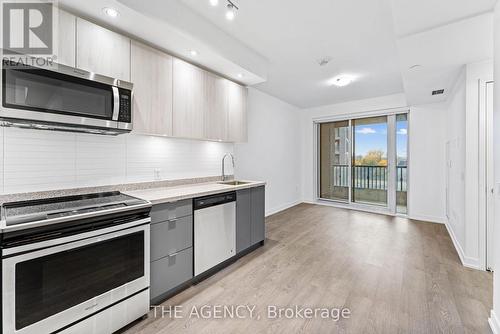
[374,137]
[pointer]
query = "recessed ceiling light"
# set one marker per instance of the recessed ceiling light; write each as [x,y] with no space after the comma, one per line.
[193,53]
[230,12]
[214,2]
[240,75]
[111,12]
[341,80]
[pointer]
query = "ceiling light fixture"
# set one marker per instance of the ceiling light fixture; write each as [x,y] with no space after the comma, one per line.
[193,53]
[111,12]
[231,10]
[240,75]
[214,2]
[341,80]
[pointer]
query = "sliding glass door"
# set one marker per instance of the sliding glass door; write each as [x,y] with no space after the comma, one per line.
[369,170]
[335,148]
[402,163]
[363,161]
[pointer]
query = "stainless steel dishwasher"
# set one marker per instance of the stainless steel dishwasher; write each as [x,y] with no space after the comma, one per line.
[214,230]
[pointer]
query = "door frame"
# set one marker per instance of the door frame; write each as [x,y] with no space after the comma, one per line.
[486,176]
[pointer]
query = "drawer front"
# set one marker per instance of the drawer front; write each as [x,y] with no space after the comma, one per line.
[171,271]
[171,236]
[166,211]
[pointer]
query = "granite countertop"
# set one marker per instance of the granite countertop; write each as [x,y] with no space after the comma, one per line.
[172,194]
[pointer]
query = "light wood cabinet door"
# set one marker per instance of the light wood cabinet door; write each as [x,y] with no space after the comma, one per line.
[102,51]
[236,113]
[190,96]
[151,74]
[66,39]
[217,106]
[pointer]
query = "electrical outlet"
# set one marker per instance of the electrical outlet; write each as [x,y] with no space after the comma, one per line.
[157,174]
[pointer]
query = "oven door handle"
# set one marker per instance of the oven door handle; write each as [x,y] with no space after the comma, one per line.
[116,103]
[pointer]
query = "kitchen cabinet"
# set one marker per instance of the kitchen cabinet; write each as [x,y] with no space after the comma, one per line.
[236,112]
[102,51]
[66,43]
[250,217]
[171,246]
[151,74]
[207,106]
[170,272]
[258,215]
[217,105]
[171,236]
[190,94]
[243,219]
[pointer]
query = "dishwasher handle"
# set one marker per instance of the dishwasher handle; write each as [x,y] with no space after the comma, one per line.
[208,201]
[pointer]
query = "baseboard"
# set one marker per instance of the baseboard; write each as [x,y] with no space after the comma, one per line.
[282,208]
[494,323]
[468,262]
[429,219]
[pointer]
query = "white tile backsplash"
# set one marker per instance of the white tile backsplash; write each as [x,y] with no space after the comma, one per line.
[35,160]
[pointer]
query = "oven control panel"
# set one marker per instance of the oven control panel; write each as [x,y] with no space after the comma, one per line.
[125,114]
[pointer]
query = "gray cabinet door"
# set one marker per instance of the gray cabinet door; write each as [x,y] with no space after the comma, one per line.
[167,211]
[170,272]
[258,215]
[243,220]
[171,236]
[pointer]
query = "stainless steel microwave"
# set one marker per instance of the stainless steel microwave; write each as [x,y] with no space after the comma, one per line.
[64,98]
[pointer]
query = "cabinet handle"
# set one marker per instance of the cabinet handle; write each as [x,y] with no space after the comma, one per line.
[173,220]
[173,254]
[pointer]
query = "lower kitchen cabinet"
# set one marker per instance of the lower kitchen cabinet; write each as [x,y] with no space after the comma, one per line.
[171,271]
[243,219]
[250,217]
[172,253]
[171,236]
[258,215]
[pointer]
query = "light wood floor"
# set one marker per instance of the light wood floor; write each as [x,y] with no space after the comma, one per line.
[395,275]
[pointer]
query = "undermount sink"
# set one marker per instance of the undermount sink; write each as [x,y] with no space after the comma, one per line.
[233,182]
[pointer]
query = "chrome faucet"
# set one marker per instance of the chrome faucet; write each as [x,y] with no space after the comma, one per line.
[224,177]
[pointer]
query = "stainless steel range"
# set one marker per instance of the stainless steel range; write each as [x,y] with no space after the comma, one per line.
[76,264]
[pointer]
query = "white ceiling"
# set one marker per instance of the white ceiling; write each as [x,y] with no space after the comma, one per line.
[441,53]
[294,34]
[413,16]
[280,42]
[177,30]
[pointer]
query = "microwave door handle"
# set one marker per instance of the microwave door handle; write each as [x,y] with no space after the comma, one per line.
[116,103]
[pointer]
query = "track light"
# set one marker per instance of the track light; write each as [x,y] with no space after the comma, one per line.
[230,13]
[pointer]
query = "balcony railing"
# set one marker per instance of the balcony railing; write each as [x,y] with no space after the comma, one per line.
[368,177]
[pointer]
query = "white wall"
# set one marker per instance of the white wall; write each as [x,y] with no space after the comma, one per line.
[272,151]
[455,138]
[467,164]
[35,160]
[427,193]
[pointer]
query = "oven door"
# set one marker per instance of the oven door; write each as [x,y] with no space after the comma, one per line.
[64,96]
[50,288]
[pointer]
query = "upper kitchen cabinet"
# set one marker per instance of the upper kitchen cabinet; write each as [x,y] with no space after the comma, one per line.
[236,112]
[66,42]
[190,99]
[151,73]
[102,51]
[216,108]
